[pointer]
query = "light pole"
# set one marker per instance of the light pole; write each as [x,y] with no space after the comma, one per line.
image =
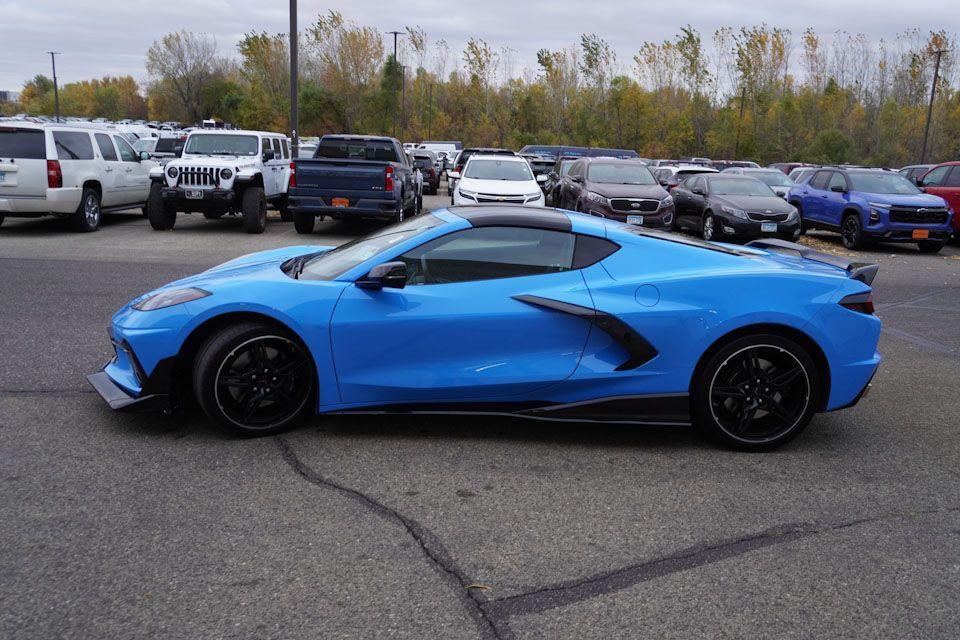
[933,94]
[393,79]
[430,112]
[403,100]
[294,92]
[56,91]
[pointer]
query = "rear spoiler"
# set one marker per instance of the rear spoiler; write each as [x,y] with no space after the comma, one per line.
[865,272]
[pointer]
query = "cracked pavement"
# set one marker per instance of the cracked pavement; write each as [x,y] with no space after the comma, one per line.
[127,526]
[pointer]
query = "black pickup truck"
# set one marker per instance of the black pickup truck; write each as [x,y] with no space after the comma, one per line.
[351,177]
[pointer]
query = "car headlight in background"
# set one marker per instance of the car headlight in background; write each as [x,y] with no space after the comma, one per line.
[736,213]
[470,195]
[173,172]
[532,196]
[793,215]
[596,197]
[666,202]
[226,174]
[165,299]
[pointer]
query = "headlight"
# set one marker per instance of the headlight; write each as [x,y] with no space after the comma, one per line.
[467,194]
[596,197]
[666,202]
[173,172]
[793,215]
[736,213]
[165,299]
[226,174]
[533,196]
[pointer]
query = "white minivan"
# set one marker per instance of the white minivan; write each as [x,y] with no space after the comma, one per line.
[76,171]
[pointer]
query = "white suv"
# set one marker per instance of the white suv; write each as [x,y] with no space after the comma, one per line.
[498,179]
[77,171]
[223,172]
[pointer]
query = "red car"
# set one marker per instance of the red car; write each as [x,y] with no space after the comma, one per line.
[944,180]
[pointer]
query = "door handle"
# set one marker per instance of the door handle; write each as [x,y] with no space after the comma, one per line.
[108,169]
[824,197]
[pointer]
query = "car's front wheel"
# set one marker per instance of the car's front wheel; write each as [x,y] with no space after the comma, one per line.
[708,228]
[161,215]
[755,393]
[253,379]
[254,206]
[851,232]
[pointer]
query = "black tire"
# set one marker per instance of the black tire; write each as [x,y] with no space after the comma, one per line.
[399,214]
[419,205]
[1,220]
[726,404]
[851,231]
[254,207]
[213,215]
[801,225]
[931,246]
[283,206]
[708,228]
[87,216]
[229,382]
[304,222]
[161,215]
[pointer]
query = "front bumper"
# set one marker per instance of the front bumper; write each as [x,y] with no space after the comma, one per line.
[660,219]
[905,234]
[752,229]
[120,400]
[212,198]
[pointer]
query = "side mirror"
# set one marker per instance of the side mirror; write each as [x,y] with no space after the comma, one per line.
[696,190]
[578,179]
[391,275]
[918,180]
[268,155]
[838,189]
[453,174]
[542,178]
[144,155]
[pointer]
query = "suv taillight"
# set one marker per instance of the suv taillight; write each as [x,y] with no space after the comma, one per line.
[293,175]
[388,179]
[54,175]
[862,302]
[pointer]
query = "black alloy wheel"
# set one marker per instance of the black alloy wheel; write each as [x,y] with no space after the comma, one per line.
[851,232]
[253,380]
[756,393]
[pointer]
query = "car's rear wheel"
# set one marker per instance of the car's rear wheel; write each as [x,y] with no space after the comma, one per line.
[930,246]
[253,379]
[755,393]
[254,206]
[162,217]
[87,216]
[304,222]
[851,232]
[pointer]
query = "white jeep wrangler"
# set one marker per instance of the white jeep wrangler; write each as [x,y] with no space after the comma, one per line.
[223,172]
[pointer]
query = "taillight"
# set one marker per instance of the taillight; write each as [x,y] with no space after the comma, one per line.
[862,302]
[293,176]
[388,179]
[54,175]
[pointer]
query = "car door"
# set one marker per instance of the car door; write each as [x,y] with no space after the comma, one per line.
[834,202]
[681,200]
[114,176]
[936,182]
[136,174]
[812,196]
[697,202]
[457,331]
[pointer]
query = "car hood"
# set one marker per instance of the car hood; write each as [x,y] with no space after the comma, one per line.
[216,161]
[773,204]
[652,191]
[917,200]
[499,187]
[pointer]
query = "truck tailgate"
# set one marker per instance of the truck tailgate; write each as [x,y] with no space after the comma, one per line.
[348,176]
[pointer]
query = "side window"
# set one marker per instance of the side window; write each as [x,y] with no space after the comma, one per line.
[73,145]
[490,253]
[953,180]
[820,180]
[837,180]
[127,153]
[937,177]
[286,149]
[277,151]
[106,147]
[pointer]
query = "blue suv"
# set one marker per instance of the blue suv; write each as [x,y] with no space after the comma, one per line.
[870,204]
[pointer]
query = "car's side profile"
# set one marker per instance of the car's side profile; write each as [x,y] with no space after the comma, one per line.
[537,313]
[944,180]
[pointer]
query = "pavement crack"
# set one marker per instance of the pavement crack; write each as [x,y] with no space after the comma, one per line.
[570,592]
[428,543]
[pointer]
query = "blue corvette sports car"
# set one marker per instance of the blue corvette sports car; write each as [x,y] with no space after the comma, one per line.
[506,310]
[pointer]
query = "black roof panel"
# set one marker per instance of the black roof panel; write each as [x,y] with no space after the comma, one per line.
[512,216]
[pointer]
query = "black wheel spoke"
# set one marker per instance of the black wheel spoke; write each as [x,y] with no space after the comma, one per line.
[235,381]
[729,392]
[786,377]
[746,418]
[778,410]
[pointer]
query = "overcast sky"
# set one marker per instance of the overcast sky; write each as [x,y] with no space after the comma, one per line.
[110,37]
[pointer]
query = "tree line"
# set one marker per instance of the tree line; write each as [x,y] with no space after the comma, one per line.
[755,92]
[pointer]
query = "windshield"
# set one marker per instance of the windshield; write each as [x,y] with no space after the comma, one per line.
[483,169]
[214,144]
[877,182]
[620,174]
[145,144]
[771,178]
[565,167]
[333,264]
[729,187]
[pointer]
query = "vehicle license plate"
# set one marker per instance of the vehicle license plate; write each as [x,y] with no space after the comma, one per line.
[768,227]
[341,202]
[921,234]
[193,194]
[634,219]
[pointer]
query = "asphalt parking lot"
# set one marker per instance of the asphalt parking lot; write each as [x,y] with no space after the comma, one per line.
[124,526]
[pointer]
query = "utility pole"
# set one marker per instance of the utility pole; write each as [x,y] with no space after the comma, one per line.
[294,90]
[393,79]
[403,100]
[933,94]
[56,91]
[430,112]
